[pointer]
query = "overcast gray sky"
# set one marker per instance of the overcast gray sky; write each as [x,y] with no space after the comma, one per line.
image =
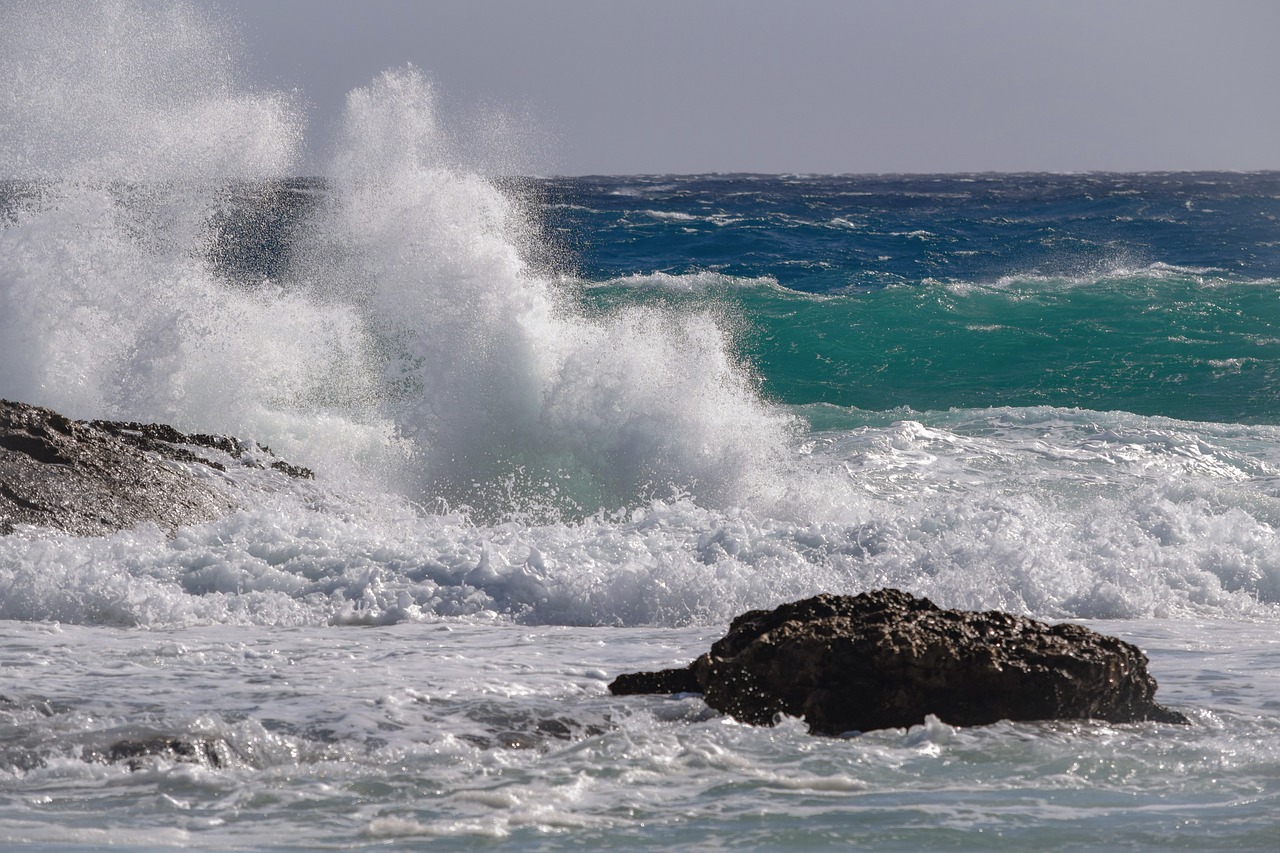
[677,86]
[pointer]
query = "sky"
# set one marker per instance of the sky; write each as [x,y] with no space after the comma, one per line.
[809,86]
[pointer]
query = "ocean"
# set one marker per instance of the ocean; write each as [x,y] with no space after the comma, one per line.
[568,427]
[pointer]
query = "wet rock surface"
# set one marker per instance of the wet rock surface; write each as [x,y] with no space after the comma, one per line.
[886,659]
[95,477]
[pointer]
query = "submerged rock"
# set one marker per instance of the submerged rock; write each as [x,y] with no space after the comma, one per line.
[183,750]
[886,659]
[500,725]
[94,477]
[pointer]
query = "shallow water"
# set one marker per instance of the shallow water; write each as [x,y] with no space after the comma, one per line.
[459,735]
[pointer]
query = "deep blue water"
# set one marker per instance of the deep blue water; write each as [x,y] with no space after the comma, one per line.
[820,234]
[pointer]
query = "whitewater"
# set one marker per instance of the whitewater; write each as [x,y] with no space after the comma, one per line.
[564,428]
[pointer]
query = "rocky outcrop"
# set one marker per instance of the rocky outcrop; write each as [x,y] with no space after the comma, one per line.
[886,659]
[94,477]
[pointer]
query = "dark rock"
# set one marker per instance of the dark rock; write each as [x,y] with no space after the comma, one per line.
[886,659]
[94,477]
[662,681]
